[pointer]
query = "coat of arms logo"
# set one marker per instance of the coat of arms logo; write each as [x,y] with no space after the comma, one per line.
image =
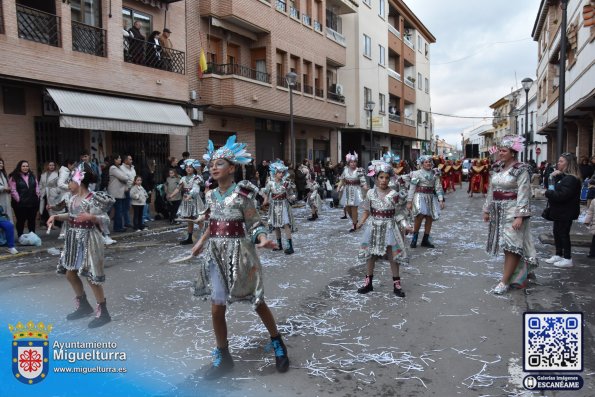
[30,351]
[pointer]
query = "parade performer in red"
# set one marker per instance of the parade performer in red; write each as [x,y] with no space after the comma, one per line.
[230,269]
[485,176]
[458,173]
[475,178]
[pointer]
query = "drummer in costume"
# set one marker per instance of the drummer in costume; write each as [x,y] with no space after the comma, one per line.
[82,255]
[278,193]
[352,182]
[384,216]
[231,270]
[425,199]
[191,203]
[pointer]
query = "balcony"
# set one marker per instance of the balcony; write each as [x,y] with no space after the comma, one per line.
[233,69]
[282,82]
[294,13]
[307,19]
[394,30]
[319,92]
[410,81]
[281,6]
[89,39]
[393,74]
[336,36]
[409,42]
[38,26]
[335,97]
[308,89]
[394,117]
[409,122]
[154,56]
[317,26]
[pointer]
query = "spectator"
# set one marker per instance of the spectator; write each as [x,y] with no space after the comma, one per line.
[586,168]
[263,171]
[139,198]
[47,181]
[564,203]
[153,54]
[148,174]
[25,195]
[137,43]
[130,172]
[118,181]
[250,173]
[166,47]
[589,221]
[85,157]
[104,167]
[239,174]
[5,192]
[181,167]
[302,178]
[8,228]
[171,183]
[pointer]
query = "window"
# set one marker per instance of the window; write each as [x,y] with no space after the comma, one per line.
[427,86]
[381,11]
[419,81]
[382,102]
[427,51]
[129,15]
[382,59]
[367,46]
[419,118]
[419,43]
[86,11]
[368,3]
[367,96]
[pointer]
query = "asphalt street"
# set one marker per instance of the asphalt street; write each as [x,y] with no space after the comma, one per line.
[449,337]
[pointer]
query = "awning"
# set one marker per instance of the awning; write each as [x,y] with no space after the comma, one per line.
[102,112]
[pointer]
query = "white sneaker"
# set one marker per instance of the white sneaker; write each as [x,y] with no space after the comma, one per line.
[107,240]
[500,289]
[553,259]
[13,251]
[564,263]
[61,237]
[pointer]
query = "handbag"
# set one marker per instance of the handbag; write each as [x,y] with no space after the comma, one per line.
[546,213]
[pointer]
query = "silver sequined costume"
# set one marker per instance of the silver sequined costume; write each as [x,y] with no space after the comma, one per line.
[382,226]
[425,192]
[353,182]
[231,269]
[279,195]
[83,241]
[190,188]
[313,200]
[509,196]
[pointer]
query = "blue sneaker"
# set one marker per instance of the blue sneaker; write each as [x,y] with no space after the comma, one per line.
[281,359]
[222,364]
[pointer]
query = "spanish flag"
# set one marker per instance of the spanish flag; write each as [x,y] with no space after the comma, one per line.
[202,64]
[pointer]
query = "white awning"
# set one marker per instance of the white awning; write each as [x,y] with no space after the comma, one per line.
[102,112]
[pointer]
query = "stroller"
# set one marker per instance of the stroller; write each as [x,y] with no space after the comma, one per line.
[162,206]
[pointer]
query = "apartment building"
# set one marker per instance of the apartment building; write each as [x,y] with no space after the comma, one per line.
[579,103]
[70,79]
[382,67]
[536,144]
[251,46]
[479,137]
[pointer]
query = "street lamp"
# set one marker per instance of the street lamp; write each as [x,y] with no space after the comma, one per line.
[291,78]
[370,108]
[527,83]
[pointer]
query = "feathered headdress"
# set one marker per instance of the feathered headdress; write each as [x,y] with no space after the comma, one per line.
[278,166]
[513,142]
[384,165]
[77,174]
[391,158]
[493,149]
[233,152]
[351,157]
[190,162]
[425,157]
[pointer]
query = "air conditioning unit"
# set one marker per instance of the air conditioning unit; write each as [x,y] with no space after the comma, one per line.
[339,89]
[196,115]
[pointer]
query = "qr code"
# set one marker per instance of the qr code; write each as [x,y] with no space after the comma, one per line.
[553,342]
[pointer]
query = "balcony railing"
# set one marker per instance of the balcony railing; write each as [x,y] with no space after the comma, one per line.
[319,92]
[394,30]
[317,26]
[307,19]
[409,82]
[154,56]
[393,74]
[281,6]
[409,42]
[335,97]
[308,89]
[394,117]
[336,36]
[89,39]
[38,26]
[294,12]
[282,82]
[229,69]
[410,122]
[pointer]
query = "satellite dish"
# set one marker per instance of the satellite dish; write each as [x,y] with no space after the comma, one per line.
[339,89]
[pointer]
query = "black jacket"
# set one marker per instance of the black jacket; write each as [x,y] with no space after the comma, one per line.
[564,200]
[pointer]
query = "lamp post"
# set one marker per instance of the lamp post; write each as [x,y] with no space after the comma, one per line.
[561,79]
[527,83]
[370,108]
[291,78]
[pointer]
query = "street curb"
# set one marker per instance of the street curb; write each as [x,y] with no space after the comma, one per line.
[120,236]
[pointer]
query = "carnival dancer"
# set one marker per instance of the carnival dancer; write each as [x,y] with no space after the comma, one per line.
[382,235]
[485,176]
[278,192]
[313,199]
[425,200]
[447,177]
[508,210]
[83,244]
[475,178]
[458,173]
[231,267]
[351,183]
[191,203]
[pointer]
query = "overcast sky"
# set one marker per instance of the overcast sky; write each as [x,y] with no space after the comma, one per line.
[483,50]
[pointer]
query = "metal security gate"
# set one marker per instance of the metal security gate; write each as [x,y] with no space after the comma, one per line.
[54,143]
[143,147]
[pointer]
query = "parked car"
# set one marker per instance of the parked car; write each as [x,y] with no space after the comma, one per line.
[466,167]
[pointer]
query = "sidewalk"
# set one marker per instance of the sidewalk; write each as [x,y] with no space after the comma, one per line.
[51,240]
